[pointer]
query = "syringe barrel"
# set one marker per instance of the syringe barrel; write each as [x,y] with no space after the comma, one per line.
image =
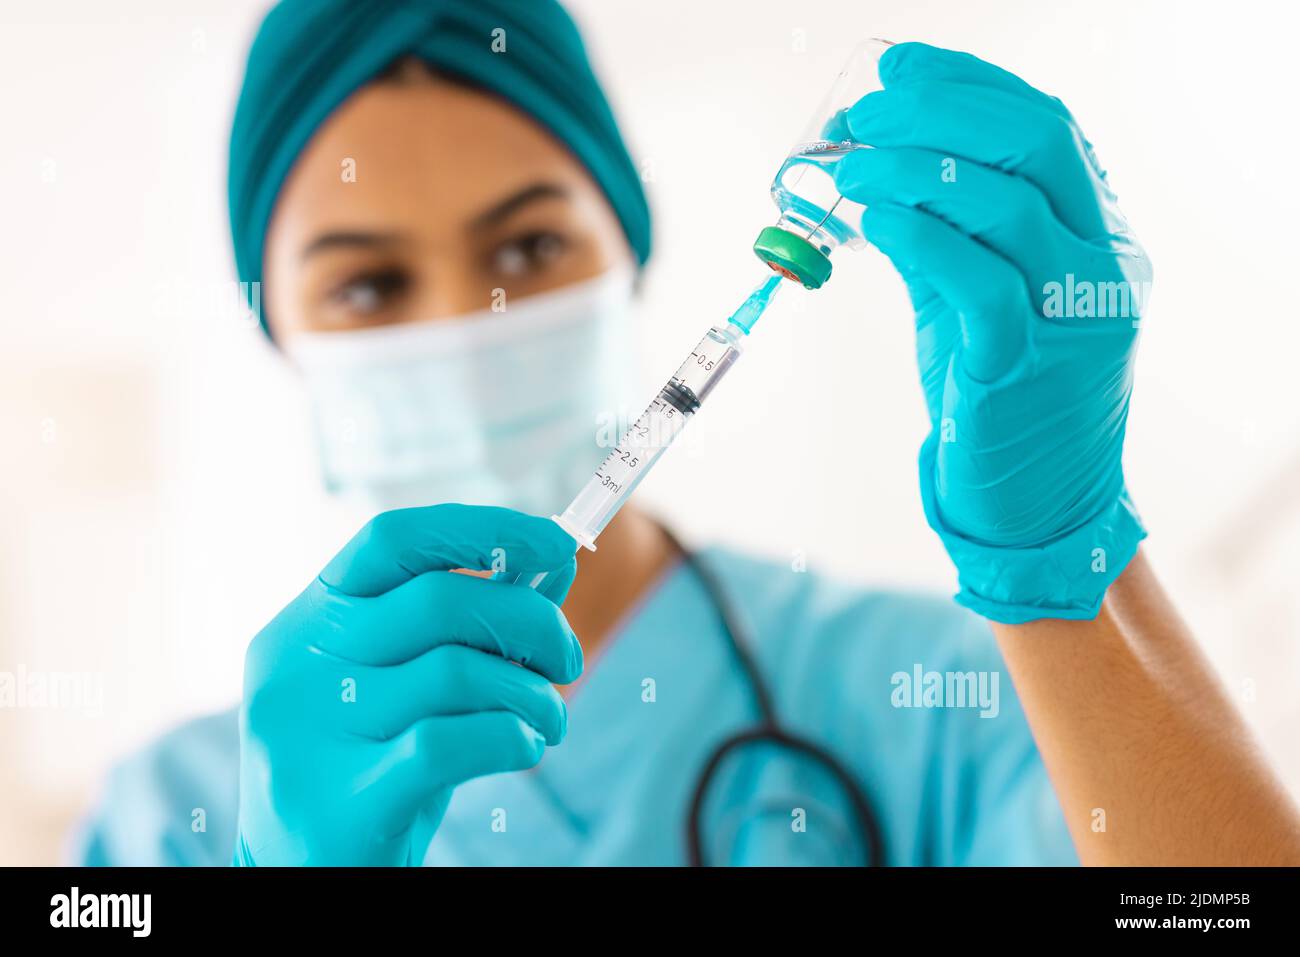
[535,580]
[649,436]
[623,469]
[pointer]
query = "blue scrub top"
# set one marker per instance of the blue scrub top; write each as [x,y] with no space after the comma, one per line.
[948,786]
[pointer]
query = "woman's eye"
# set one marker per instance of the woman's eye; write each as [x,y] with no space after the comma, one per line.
[528,254]
[370,292]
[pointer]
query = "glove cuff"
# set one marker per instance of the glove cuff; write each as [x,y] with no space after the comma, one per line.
[1065,578]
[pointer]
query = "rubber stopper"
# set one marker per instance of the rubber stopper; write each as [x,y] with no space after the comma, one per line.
[793,256]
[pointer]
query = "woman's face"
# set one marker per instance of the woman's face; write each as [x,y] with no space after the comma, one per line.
[422,199]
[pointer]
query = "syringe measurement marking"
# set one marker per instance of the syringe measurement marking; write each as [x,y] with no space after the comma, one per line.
[647,438]
[625,456]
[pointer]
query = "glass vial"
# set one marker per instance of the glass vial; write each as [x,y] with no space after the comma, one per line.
[814,218]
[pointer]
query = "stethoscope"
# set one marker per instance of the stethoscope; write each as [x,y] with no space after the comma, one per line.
[766,731]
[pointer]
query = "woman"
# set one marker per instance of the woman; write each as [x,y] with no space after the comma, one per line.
[446,226]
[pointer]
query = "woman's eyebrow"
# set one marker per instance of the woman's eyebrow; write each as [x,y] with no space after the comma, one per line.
[349,239]
[514,202]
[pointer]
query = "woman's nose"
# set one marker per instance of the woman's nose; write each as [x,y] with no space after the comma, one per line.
[454,290]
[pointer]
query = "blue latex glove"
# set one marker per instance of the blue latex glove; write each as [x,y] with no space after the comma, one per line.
[989,201]
[390,680]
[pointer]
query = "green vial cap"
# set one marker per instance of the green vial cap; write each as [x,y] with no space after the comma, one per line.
[793,256]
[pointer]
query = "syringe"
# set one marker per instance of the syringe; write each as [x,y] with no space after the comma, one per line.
[662,421]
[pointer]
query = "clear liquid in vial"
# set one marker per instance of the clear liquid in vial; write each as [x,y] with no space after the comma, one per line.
[804,190]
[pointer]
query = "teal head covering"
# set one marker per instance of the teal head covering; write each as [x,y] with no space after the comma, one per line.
[310,55]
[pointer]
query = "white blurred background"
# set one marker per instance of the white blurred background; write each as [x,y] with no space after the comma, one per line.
[158,497]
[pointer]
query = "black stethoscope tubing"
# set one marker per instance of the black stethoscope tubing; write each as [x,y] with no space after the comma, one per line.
[767,730]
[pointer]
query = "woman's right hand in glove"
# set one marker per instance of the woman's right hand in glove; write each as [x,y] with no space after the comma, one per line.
[391,679]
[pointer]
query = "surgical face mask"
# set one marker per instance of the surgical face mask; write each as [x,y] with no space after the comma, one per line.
[493,408]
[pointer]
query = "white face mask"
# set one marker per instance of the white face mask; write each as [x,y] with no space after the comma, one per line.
[489,408]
